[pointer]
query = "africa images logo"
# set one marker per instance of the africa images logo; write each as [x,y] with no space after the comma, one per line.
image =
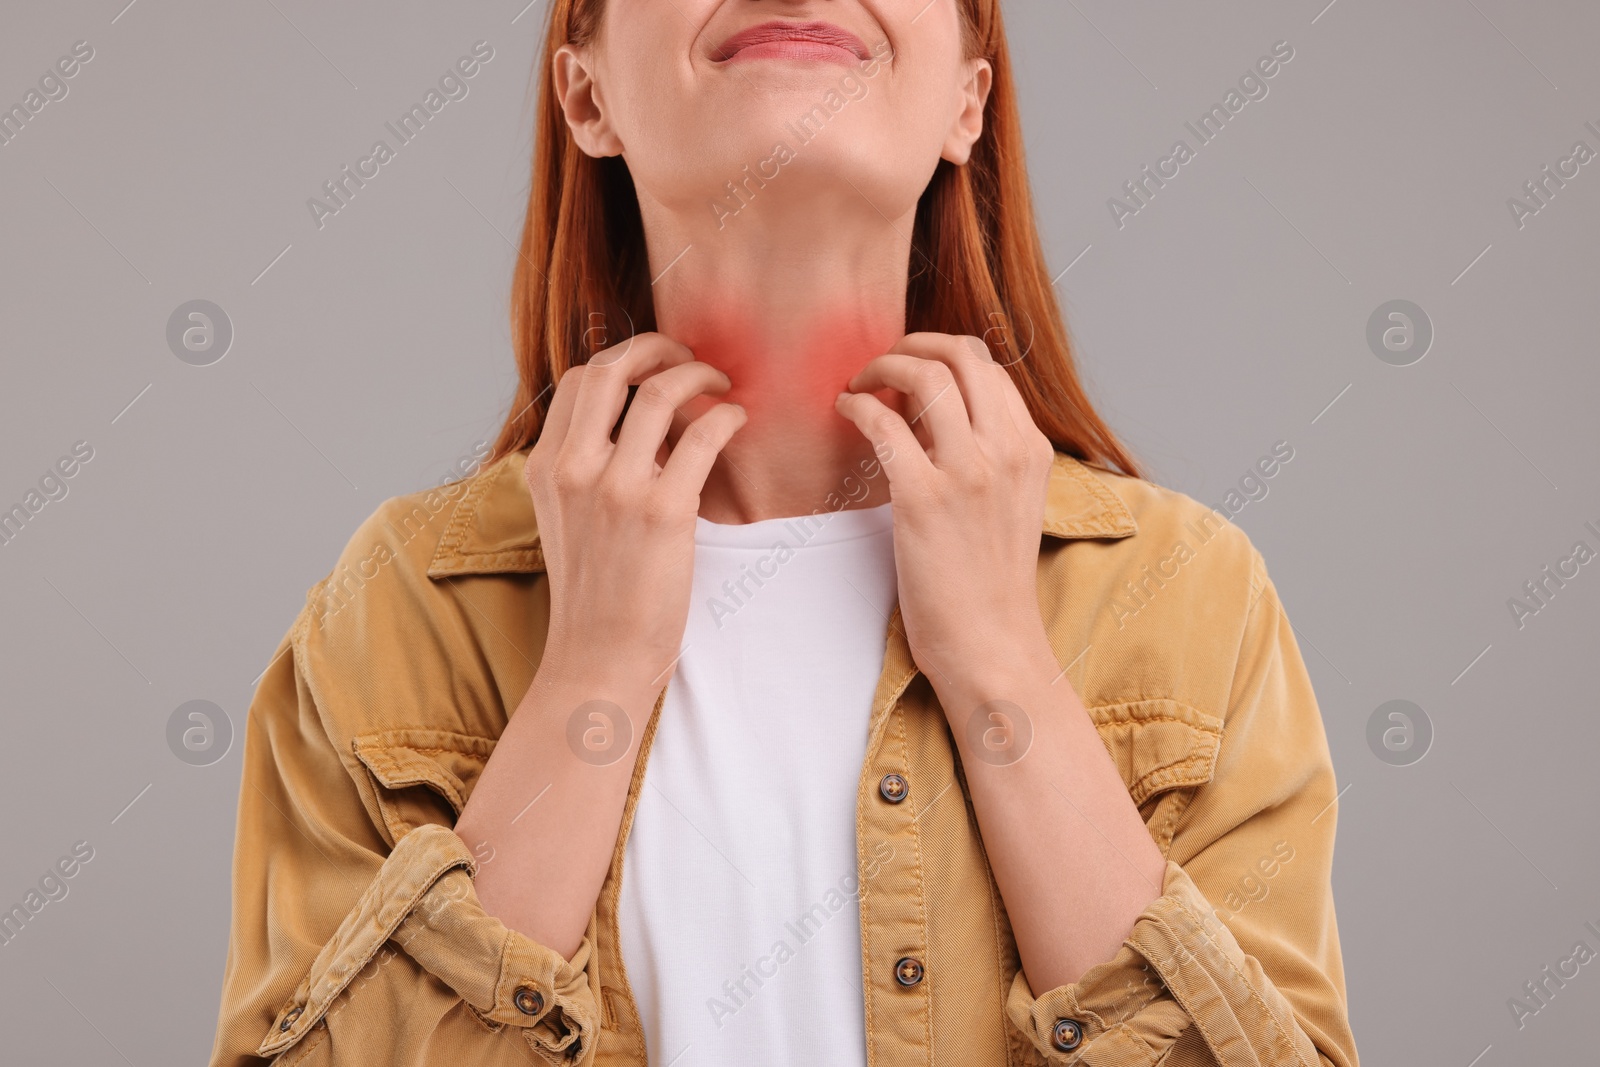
[1252,86]
[342,188]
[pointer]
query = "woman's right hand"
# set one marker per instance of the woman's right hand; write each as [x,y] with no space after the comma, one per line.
[616,523]
[617,517]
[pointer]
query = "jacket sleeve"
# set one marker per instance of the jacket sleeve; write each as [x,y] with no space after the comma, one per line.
[1237,962]
[380,955]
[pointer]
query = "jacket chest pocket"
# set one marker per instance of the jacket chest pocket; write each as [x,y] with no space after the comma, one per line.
[1164,750]
[421,776]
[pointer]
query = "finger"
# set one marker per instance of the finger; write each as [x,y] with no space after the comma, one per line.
[935,398]
[558,419]
[698,448]
[896,447]
[976,373]
[654,404]
[1018,407]
[1021,415]
[603,386]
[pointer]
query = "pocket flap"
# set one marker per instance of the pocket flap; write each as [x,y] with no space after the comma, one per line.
[401,761]
[1158,744]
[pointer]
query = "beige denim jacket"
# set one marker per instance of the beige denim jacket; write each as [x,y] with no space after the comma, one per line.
[357,937]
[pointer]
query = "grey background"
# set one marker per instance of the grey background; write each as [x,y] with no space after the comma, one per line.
[1227,315]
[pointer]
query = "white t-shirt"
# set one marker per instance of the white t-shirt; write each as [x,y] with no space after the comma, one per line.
[739,918]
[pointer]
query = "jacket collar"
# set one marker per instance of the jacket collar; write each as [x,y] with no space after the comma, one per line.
[493,531]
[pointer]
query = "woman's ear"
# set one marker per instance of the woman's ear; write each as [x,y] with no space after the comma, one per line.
[968,124]
[581,103]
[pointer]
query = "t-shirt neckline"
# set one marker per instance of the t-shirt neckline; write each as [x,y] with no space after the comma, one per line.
[822,527]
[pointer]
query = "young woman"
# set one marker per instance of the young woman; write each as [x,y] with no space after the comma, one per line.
[808,677]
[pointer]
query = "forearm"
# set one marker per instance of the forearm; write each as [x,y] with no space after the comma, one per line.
[550,815]
[1070,853]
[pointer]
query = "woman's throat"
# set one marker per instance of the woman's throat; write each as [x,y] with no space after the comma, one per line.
[786,376]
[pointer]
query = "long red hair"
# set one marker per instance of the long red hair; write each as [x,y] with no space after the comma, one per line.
[976,263]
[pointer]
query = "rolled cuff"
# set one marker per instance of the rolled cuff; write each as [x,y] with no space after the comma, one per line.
[1121,1013]
[423,899]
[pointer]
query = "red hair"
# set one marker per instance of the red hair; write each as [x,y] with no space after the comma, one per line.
[977,266]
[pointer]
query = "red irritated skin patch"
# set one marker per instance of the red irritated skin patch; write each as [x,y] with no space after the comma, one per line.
[786,381]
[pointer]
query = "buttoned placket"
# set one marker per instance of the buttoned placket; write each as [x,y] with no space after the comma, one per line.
[896,982]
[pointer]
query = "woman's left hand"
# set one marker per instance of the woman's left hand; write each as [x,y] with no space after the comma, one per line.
[968,470]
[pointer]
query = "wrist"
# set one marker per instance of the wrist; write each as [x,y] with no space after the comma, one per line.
[1002,667]
[629,679]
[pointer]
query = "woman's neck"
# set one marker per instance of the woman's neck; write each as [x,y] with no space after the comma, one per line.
[789,310]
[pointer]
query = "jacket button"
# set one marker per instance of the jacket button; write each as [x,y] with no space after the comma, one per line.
[908,971]
[528,1001]
[894,788]
[1067,1035]
[288,1020]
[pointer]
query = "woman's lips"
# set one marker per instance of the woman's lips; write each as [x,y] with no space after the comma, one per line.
[793,40]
